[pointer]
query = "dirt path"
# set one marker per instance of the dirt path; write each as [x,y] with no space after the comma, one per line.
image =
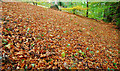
[40,38]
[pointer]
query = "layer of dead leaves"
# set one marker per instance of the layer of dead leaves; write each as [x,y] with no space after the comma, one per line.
[38,38]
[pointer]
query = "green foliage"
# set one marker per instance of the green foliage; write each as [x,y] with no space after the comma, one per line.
[44,4]
[91,29]
[63,54]
[118,23]
[4,41]
[76,23]
[107,11]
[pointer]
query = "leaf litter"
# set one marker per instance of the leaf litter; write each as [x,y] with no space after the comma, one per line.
[75,46]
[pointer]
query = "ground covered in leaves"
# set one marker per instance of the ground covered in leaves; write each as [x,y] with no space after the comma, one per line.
[39,38]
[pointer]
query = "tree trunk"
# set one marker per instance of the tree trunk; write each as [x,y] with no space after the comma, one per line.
[87,9]
[104,16]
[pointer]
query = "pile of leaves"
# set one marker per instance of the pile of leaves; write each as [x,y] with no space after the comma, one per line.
[39,38]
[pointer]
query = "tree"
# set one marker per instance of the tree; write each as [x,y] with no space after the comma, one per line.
[87,9]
